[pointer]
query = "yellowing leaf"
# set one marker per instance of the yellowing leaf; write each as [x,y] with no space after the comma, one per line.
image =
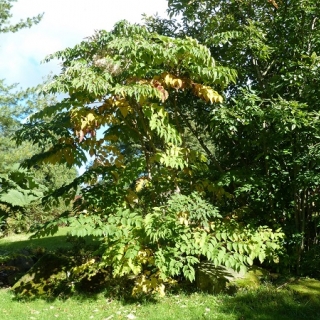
[124,111]
[177,83]
[84,123]
[168,79]
[206,93]
[121,103]
[163,93]
[80,134]
[90,117]
[141,183]
[213,96]
[183,219]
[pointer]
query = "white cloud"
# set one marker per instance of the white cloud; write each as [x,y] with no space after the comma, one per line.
[65,23]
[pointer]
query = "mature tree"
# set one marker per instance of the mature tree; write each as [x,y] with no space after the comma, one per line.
[145,190]
[266,134]
[14,107]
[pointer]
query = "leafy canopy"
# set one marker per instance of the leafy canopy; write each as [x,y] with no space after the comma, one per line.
[266,135]
[140,193]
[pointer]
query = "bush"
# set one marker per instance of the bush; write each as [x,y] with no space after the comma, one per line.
[171,241]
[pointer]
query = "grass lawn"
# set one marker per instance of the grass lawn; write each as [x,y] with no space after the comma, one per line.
[264,303]
[19,241]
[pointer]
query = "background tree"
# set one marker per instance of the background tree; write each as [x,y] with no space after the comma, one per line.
[5,16]
[15,105]
[265,135]
[19,187]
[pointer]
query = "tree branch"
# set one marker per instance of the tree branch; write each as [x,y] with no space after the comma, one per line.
[203,145]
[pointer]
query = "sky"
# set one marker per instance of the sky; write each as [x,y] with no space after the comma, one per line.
[65,23]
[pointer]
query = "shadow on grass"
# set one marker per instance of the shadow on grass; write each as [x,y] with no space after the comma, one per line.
[48,280]
[309,288]
[267,303]
[49,243]
[263,303]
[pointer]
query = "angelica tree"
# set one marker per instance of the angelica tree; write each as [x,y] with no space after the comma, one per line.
[131,101]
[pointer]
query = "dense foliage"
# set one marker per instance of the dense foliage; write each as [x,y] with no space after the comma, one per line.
[266,134]
[204,137]
[151,191]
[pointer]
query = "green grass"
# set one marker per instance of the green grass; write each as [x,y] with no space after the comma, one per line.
[265,303]
[16,242]
[20,241]
[309,288]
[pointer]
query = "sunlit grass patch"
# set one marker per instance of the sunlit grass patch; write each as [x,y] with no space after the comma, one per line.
[309,288]
[267,302]
[264,303]
[20,241]
[97,308]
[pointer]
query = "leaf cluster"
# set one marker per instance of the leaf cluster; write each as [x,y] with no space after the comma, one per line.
[5,15]
[171,241]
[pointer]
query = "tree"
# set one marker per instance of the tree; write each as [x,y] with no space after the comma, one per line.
[144,191]
[5,16]
[15,105]
[18,188]
[265,135]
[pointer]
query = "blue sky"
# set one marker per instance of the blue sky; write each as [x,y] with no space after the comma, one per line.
[65,23]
